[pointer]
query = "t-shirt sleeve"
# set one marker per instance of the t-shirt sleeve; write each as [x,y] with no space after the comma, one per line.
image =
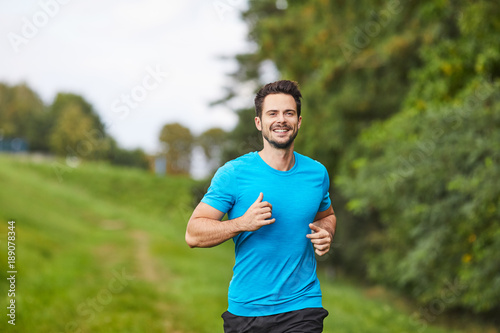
[326,202]
[221,193]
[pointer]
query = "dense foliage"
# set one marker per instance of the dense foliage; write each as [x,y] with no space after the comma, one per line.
[401,103]
[21,114]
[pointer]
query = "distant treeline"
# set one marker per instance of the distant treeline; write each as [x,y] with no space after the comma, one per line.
[402,104]
[68,127]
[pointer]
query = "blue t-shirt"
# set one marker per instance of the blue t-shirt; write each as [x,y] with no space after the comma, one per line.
[275,266]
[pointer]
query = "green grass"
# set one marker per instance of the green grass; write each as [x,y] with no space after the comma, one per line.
[101,249]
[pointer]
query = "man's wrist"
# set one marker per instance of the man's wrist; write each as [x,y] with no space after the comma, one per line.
[237,225]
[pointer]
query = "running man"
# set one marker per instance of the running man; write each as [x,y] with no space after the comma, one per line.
[279,216]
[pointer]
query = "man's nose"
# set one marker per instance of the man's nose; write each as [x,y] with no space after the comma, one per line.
[281,118]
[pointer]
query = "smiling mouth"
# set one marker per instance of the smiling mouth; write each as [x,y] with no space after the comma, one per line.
[281,130]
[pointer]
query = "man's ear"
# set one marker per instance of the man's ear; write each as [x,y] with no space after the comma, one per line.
[300,122]
[258,124]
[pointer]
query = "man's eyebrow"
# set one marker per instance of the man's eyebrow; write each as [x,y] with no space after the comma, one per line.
[275,110]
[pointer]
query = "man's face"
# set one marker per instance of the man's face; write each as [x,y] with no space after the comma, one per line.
[279,123]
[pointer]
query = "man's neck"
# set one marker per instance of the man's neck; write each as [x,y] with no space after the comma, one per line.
[279,159]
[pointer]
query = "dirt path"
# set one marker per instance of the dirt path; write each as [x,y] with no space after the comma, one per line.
[147,269]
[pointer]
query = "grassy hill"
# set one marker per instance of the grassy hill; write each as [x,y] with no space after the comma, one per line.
[101,249]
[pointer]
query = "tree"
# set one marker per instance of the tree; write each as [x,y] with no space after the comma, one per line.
[212,142]
[62,100]
[23,115]
[77,129]
[177,142]
[69,132]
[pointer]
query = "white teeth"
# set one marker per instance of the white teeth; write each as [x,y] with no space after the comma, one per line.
[280,131]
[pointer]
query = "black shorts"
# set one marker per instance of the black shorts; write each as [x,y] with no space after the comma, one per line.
[308,320]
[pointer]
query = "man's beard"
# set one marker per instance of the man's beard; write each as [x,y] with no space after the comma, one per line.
[280,145]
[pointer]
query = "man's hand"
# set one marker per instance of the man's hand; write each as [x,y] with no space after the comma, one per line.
[257,215]
[205,228]
[320,238]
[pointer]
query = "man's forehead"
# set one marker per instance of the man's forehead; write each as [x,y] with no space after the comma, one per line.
[279,101]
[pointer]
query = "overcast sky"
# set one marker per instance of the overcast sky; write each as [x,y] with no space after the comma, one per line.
[141,64]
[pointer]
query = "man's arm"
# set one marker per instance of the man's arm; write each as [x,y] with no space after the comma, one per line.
[324,229]
[205,228]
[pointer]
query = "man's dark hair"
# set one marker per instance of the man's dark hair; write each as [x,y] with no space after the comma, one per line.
[278,87]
